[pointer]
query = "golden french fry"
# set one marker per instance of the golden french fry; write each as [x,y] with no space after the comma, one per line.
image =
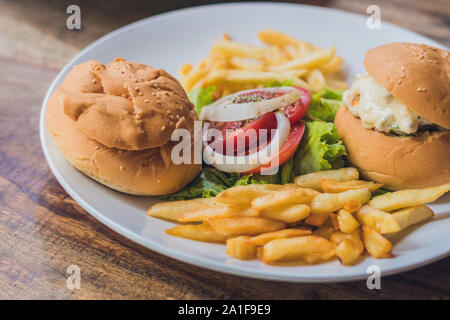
[315,80]
[312,180]
[240,248]
[325,231]
[352,206]
[263,238]
[380,221]
[199,232]
[333,65]
[318,219]
[334,186]
[290,196]
[173,210]
[334,221]
[336,84]
[347,223]
[376,245]
[218,212]
[275,57]
[408,198]
[329,202]
[233,227]
[311,248]
[408,217]
[287,213]
[232,49]
[244,195]
[245,64]
[199,71]
[349,250]
[276,38]
[185,69]
[309,61]
[247,77]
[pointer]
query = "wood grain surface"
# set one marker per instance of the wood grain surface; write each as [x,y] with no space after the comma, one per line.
[43,231]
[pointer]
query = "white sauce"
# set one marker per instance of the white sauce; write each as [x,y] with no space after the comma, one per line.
[377,107]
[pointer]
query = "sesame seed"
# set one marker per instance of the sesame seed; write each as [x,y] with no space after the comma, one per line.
[121,168]
[146,100]
[94,80]
[162,128]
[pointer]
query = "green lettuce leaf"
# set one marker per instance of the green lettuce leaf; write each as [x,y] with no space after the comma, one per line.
[324,105]
[201,97]
[208,184]
[320,149]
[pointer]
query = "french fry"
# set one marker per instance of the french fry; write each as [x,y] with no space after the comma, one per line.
[173,210]
[334,221]
[199,232]
[276,38]
[263,238]
[244,195]
[287,213]
[232,48]
[247,77]
[381,221]
[185,69]
[245,64]
[349,250]
[240,248]
[334,186]
[376,245]
[333,65]
[312,180]
[316,80]
[218,212]
[329,202]
[282,197]
[318,219]
[335,84]
[275,56]
[410,216]
[347,223]
[408,198]
[311,248]
[309,61]
[325,231]
[352,206]
[233,227]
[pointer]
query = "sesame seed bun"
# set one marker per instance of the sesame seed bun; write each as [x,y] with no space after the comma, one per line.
[125,105]
[417,75]
[103,143]
[397,161]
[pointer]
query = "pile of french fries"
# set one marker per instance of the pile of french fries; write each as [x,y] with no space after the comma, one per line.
[320,216]
[232,66]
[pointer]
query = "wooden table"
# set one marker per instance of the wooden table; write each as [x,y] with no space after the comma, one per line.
[43,231]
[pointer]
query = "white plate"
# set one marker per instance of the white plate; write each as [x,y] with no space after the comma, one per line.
[171,39]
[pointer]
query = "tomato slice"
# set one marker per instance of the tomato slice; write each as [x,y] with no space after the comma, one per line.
[288,149]
[267,121]
[295,112]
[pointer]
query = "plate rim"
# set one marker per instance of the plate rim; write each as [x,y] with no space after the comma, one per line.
[174,253]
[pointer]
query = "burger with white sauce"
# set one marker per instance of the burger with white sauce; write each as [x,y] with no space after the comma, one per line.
[396,117]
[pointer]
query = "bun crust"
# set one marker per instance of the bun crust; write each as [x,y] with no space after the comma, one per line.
[398,162]
[125,105]
[146,172]
[114,124]
[417,75]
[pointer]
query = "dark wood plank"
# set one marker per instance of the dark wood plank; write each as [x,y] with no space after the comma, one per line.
[43,231]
